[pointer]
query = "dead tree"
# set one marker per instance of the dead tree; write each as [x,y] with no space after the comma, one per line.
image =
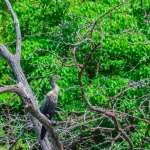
[23,89]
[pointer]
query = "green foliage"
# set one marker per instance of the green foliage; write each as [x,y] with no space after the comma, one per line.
[47,29]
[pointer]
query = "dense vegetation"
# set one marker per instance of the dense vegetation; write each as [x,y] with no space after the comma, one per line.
[57,38]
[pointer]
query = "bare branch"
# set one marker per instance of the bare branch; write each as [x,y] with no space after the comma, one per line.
[144,139]
[133,117]
[10,88]
[17,29]
[126,137]
[109,11]
[140,43]
[83,41]
[100,110]
[47,124]
[5,53]
[20,135]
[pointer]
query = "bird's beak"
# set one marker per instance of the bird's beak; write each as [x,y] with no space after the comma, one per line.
[60,77]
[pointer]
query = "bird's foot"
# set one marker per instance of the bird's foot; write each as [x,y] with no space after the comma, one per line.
[47,115]
[54,122]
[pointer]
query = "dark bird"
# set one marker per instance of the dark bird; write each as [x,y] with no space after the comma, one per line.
[50,102]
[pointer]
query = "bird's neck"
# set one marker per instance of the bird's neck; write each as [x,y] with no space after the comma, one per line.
[55,87]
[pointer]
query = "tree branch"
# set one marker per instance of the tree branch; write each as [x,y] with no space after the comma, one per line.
[26,127]
[5,53]
[144,139]
[98,109]
[57,145]
[17,29]
[10,88]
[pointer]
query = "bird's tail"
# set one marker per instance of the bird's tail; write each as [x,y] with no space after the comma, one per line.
[43,132]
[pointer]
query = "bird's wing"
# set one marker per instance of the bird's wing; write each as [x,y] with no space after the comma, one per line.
[44,105]
[49,104]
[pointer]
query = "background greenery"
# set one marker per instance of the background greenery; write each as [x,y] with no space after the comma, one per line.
[124,56]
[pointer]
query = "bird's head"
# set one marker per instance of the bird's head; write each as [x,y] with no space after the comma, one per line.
[54,78]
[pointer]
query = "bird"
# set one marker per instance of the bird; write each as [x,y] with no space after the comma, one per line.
[49,103]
